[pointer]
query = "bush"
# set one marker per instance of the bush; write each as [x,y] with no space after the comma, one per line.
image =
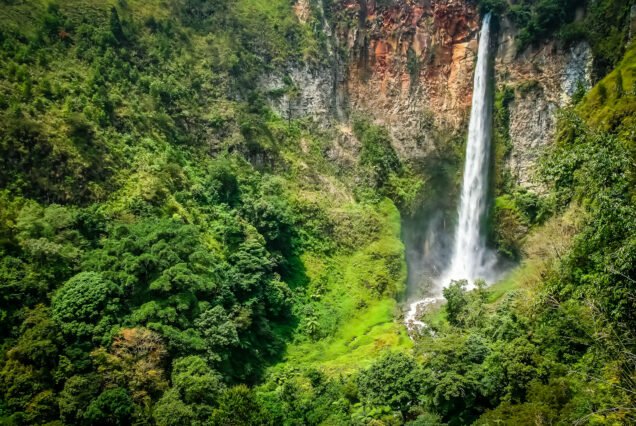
[394,380]
[377,154]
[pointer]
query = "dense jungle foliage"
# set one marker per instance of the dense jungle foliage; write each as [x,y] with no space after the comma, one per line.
[604,24]
[173,252]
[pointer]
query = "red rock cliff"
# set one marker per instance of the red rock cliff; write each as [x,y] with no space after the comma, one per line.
[410,64]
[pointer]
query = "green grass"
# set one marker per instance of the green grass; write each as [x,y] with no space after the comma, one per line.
[356,344]
[513,280]
[436,315]
[614,97]
[355,294]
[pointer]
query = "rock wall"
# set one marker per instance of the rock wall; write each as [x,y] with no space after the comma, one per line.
[406,67]
[301,91]
[409,66]
[544,78]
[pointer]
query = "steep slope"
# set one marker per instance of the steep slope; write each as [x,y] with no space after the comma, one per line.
[161,226]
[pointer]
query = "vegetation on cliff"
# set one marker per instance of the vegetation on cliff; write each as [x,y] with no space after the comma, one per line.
[604,24]
[165,235]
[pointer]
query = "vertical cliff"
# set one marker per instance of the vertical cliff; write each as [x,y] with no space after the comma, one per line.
[544,78]
[408,66]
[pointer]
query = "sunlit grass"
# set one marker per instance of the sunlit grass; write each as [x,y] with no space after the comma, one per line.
[614,96]
[514,280]
[358,342]
[356,295]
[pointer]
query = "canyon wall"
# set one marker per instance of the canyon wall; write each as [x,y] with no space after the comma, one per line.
[409,67]
[544,79]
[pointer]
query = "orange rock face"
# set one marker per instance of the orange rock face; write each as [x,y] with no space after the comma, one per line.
[409,62]
[408,65]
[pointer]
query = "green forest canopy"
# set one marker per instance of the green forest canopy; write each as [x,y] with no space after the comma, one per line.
[171,253]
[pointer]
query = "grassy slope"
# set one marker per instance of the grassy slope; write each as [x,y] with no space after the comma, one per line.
[365,321]
[611,101]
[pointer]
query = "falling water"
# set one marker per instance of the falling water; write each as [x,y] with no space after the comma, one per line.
[470,258]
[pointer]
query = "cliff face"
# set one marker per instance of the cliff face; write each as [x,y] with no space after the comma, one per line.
[409,67]
[544,79]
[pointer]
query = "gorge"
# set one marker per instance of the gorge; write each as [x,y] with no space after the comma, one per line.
[216,212]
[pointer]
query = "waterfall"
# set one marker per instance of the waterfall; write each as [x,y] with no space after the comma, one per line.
[470,258]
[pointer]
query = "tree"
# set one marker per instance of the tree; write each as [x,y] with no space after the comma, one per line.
[170,410]
[218,332]
[85,305]
[112,407]
[394,380]
[39,339]
[620,91]
[238,407]
[195,380]
[454,375]
[456,301]
[115,25]
[76,396]
[134,362]
[195,390]
[426,419]
[26,380]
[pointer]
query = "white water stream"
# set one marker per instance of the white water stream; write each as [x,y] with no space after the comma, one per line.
[470,258]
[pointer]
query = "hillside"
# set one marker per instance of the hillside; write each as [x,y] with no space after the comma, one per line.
[212,212]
